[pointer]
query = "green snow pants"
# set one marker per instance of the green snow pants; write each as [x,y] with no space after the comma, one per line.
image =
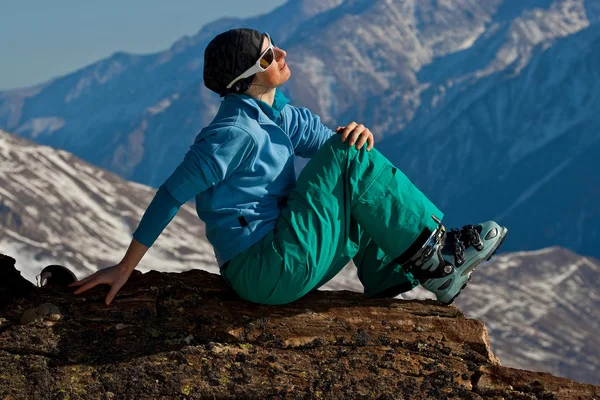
[347,204]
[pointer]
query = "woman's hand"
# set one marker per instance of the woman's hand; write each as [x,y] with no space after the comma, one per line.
[353,131]
[114,276]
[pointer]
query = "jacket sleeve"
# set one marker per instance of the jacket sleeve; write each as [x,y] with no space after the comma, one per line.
[209,161]
[213,158]
[306,131]
[159,213]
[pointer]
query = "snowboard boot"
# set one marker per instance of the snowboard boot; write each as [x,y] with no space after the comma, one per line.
[443,265]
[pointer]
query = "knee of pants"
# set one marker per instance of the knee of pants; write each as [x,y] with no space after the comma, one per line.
[335,149]
[335,142]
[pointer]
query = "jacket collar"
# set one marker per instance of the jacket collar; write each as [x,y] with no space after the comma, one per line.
[265,113]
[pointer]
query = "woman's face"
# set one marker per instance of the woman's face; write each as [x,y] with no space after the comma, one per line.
[278,73]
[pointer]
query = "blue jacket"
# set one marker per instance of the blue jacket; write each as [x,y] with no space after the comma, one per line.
[241,170]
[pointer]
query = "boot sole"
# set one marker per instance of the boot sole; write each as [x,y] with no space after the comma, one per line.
[492,254]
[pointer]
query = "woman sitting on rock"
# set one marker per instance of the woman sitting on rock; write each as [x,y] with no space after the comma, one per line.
[277,238]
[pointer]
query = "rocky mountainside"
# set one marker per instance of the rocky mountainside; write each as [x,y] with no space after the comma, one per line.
[188,336]
[58,209]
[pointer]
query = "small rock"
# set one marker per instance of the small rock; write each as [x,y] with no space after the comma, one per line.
[217,348]
[4,323]
[55,317]
[44,312]
[30,316]
[188,339]
[44,309]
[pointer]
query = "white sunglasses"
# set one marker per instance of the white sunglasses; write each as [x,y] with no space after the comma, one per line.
[265,60]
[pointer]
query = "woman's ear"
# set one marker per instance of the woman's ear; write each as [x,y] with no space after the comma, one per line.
[245,84]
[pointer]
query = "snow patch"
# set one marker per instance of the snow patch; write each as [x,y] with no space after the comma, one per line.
[38,126]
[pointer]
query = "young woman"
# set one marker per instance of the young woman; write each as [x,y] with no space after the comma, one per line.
[275,238]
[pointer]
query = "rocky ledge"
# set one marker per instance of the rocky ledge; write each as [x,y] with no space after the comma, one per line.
[187,336]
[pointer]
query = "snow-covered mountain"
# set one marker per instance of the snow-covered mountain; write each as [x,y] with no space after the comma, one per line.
[373,61]
[521,148]
[135,115]
[467,97]
[58,209]
[541,308]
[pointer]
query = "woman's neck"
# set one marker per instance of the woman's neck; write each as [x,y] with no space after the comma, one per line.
[259,93]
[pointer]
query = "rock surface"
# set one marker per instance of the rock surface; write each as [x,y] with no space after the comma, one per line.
[186,335]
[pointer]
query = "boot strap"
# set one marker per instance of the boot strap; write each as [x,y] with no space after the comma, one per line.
[459,239]
[433,244]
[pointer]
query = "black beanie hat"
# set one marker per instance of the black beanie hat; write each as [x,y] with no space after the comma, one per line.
[229,55]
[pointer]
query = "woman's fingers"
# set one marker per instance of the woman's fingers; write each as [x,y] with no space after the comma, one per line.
[359,130]
[371,142]
[356,134]
[113,292]
[83,281]
[89,285]
[348,129]
[364,137]
[113,276]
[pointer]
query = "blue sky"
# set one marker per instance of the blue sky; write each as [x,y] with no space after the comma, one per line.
[41,39]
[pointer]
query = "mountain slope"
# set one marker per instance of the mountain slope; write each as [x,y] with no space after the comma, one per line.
[542,309]
[137,114]
[463,97]
[58,209]
[518,148]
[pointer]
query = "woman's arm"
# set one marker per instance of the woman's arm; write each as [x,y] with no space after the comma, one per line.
[160,212]
[308,134]
[306,131]
[209,161]
[133,256]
